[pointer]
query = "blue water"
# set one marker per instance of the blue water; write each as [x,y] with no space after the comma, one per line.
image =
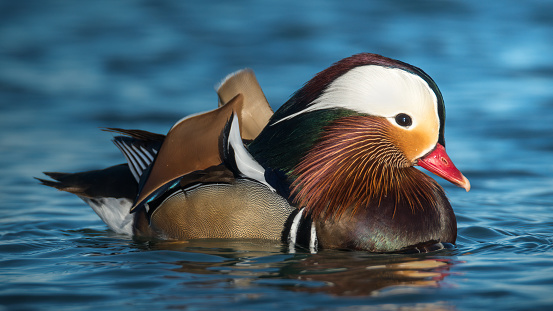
[68,68]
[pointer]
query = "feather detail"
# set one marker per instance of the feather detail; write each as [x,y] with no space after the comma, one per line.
[138,134]
[356,164]
[109,192]
[236,152]
[139,148]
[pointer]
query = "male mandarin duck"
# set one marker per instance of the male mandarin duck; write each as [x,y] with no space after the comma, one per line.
[332,168]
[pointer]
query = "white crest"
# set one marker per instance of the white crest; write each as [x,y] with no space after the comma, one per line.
[379,91]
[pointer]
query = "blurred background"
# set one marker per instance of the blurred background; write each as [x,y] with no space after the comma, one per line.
[68,68]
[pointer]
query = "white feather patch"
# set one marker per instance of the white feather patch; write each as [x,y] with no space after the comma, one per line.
[138,159]
[313,239]
[378,91]
[114,212]
[246,164]
[293,235]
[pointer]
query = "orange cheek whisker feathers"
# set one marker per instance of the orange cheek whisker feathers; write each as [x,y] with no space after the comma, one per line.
[355,165]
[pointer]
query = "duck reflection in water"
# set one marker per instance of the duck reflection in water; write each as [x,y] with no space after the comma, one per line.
[241,263]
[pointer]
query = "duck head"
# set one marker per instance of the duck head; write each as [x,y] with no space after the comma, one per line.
[347,143]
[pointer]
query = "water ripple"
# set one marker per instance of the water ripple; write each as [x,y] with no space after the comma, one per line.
[68,69]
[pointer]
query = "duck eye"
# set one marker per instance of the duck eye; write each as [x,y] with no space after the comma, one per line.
[403,120]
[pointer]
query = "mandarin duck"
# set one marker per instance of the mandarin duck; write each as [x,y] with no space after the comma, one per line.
[332,168]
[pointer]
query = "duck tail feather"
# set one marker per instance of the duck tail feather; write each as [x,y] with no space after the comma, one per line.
[109,192]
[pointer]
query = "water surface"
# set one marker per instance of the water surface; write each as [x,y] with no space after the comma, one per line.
[68,68]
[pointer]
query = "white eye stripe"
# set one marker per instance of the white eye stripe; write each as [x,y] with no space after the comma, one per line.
[378,91]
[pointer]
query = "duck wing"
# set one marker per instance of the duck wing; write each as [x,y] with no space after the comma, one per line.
[194,143]
[139,148]
[255,111]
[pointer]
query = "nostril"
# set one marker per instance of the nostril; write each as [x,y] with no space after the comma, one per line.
[444,161]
